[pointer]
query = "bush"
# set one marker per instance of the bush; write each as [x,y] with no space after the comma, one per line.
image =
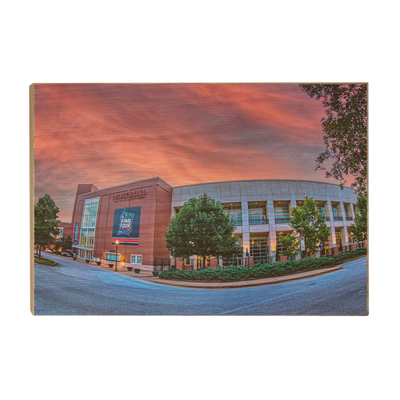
[45,261]
[258,271]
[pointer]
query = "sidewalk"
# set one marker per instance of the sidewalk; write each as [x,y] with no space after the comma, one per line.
[148,276]
[143,275]
[249,283]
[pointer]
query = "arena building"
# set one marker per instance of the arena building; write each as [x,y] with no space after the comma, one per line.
[137,214]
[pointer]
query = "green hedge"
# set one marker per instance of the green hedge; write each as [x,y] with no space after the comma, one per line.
[258,271]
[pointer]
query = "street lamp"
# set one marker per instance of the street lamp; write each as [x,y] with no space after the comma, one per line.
[116,254]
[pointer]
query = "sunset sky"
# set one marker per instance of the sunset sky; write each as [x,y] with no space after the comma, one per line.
[184,133]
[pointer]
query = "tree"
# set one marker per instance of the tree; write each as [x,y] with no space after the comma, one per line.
[67,243]
[307,223]
[289,244]
[46,222]
[201,228]
[345,131]
[359,229]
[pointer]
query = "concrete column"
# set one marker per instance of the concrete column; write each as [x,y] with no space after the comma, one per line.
[272,227]
[292,202]
[345,236]
[245,226]
[329,212]
[352,213]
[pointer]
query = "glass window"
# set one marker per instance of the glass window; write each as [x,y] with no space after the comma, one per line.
[236,216]
[136,259]
[111,256]
[257,217]
[259,249]
[321,211]
[88,224]
[282,210]
[93,213]
[89,215]
[256,211]
[90,238]
[282,214]
[82,241]
[86,212]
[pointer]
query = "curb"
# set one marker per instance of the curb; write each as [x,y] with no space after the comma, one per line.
[244,284]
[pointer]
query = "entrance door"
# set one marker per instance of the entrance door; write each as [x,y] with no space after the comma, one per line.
[259,249]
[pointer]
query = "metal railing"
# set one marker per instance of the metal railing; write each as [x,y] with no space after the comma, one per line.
[282,220]
[337,218]
[265,259]
[163,264]
[349,218]
[237,219]
[257,220]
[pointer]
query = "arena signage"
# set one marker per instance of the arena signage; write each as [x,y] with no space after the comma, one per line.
[129,195]
[76,233]
[126,226]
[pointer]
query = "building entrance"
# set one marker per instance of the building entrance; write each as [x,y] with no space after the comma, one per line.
[259,249]
[85,254]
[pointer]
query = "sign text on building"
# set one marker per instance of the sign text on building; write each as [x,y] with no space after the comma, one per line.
[129,195]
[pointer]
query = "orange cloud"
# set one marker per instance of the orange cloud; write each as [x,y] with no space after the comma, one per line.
[113,134]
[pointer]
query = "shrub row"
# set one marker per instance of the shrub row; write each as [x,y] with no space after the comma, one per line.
[258,271]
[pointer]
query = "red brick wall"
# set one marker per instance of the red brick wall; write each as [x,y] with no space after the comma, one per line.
[67,229]
[179,263]
[162,218]
[213,263]
[154,219]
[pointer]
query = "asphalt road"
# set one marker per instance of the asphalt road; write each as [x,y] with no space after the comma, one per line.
[74,288]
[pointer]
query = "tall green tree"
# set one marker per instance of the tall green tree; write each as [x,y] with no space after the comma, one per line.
[359,229]
[201,228]
[345,131]
[46,222]
[308,223]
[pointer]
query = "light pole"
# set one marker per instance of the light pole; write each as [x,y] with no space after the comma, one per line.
[116,254]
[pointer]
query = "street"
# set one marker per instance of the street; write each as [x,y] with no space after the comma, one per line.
[73,288]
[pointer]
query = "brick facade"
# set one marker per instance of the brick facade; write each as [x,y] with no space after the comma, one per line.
[155,214]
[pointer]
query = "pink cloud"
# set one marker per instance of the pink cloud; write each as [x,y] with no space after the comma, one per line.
[114,134]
